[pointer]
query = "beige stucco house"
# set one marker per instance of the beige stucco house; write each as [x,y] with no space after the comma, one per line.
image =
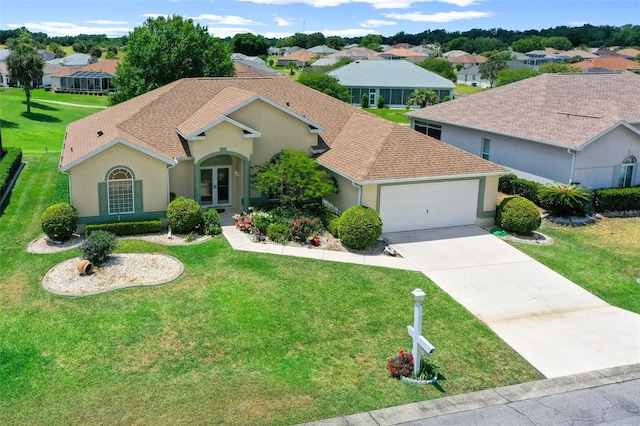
[201,138]
[580,128]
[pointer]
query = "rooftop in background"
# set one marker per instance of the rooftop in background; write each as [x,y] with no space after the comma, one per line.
[400,73]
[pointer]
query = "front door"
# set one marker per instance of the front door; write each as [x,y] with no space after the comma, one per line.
[215,186]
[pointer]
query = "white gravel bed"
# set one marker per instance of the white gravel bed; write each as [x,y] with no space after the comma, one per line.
[119,271]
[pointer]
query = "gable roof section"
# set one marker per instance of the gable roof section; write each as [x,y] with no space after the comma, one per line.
[566,110]
[610,63]
[398,73]
[362,146]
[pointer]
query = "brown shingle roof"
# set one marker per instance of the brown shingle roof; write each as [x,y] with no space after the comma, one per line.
[363,146]
[618,63]
[107,65]
[300,55]
[568,110]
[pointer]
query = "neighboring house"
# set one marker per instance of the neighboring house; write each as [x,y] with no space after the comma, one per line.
[453,53]
[282,51]
[467,60]
[629,53]
[46,80]
[253,69]
[539,57]
[322,50]
[471,76]
[610,63]
[578,53]
[75,60]
[94,78]
[395,81]
[403,53]
[301,58]
[201,138]
[581,128]
[353,53]
[429,52]
[243,57]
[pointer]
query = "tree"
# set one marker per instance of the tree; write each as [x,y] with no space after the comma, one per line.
[372,41]
[295,179]
[335,42]
[527,44]
[510,75]
[25,65]
[457,43]
[558,67]
[326,84]
[315,39]
[250,44]
[489,70]
[558,43]
[440,67]
[56,50]
[163,50]
[423,97]
[96,52]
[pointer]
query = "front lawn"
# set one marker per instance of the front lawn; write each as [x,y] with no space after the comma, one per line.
[395,115]
[603,258]
[240,338]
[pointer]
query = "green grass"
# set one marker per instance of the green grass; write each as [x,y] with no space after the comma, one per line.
[240,338]
[395,115]
[463,89]
[603,258]
[91,100]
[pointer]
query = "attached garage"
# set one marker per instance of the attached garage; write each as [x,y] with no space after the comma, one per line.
[428,205]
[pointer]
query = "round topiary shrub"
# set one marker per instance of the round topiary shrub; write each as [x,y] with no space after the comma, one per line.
[98,246]
[519,215]
[184,215]
[360,227]
[59,221]
[279,232]
[211,222]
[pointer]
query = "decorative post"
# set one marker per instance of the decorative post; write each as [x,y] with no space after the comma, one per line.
[419,342]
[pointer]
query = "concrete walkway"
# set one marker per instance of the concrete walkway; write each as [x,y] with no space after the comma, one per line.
[557,326]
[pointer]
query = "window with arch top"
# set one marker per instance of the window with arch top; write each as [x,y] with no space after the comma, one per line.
[120,193]
[627,172]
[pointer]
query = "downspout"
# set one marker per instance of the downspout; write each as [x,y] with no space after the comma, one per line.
[169,182]
[359,192]
[573,163]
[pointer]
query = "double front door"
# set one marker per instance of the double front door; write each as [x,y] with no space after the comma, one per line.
[215,186]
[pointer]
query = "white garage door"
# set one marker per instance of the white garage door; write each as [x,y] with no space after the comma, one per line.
[428,205]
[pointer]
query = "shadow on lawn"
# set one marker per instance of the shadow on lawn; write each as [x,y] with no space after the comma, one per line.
[8,124]
[42,118]
[40,106]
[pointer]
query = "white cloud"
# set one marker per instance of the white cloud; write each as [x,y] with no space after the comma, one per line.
[223,32]
[439,17]
[272,34]
[376,4]
[577,24]
[156,15]
[225,20]
[376,23]
[351,32]
[61,29]
[283,22]
[104,22]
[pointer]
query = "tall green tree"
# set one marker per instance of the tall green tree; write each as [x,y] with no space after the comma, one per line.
[335,42]
[326,84]
[489,70]
[423,97]
[250,44]
[25,65]
[440,67]
[527,44]
[372,41]
[295,179]
[163,50]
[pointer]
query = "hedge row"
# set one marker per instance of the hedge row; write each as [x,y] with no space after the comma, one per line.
[9,164]
[513,185]
[126,228]
[617,199]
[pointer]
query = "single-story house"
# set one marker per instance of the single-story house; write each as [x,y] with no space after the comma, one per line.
[322,50]
[403,54]
[471,76]
[580,128]
[467,60]
[395,81]
[74,60]
[93,78]
[201,137]
[609,63]
[46,80]
[301,58]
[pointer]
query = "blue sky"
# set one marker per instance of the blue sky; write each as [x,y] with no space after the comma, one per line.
[281,18]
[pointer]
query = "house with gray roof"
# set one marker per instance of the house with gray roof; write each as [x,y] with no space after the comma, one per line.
[75,60]
[395,81]
[570,128]
[471,76]
[323,50]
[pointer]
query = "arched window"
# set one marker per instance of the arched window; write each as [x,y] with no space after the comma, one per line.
[627,169]
[120,191]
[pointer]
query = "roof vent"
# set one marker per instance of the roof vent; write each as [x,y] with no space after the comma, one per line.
[100,133]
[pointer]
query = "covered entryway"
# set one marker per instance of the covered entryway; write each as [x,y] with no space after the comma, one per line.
[428,205]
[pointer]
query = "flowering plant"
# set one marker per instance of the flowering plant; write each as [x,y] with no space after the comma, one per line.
[252,222]
[400,365]
[304,227]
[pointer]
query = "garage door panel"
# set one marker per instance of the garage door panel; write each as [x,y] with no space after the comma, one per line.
[428,205]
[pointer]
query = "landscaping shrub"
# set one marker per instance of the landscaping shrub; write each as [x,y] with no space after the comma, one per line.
[527,189]
[98,246]
[126,228]
[506,183]
[184,215]
[252,221]
[617,199]
[380,102]
[305,227]
[279,232]
[360,227]
[565,199]
[59,221]
[9,164]
[285,214]
[211,222]
[364,100]
[519,215]
[334,226]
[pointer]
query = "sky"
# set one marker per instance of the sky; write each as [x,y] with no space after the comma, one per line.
[282,18]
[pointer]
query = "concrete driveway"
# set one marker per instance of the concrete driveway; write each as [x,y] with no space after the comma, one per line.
[553,323]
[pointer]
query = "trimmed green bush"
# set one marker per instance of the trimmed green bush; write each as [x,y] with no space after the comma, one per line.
[59,221]
[519,215]
[211,222]
[126,228]
[98,246]
[527,189]
[617,199]
[279,232]
[334,226]
[360,227]
[380,102]
[184,215]
[364,100]
[9,164]
[565,200]
[506,183]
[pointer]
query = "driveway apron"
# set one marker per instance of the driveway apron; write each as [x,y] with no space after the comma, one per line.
[554,324]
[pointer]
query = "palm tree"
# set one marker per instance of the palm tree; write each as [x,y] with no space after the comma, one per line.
[423,97]
[25,65]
